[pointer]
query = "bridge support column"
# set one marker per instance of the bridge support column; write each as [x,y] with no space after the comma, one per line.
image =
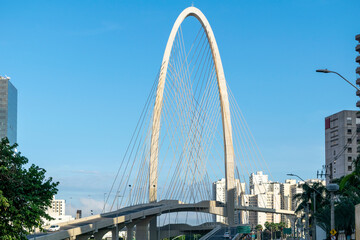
[82,237]
[153,229]
[115,231]
[142,229]
[130,231]
[100,234]
[230,206]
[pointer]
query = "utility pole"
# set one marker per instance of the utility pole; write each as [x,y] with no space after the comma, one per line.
[332,187]
[307,237]
[314,217]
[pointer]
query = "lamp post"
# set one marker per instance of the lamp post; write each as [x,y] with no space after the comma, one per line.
[314,197]
[130,193]
[104,210]
[328,71]
[70,208]
[332,187]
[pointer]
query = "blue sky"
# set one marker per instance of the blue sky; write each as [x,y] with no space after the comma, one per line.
[83,70]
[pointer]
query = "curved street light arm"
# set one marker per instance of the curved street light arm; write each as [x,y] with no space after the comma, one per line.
[345,80]
[329,71]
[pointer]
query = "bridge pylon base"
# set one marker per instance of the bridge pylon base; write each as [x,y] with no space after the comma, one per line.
[153,229]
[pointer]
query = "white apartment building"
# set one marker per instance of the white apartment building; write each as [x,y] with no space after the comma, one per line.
[57,207]
[219,194]
[258,183]
[263,193]
[57,211]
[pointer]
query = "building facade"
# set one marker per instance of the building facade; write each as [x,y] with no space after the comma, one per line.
[219,194]
[340,144]
[8,110]
[357,71]
[57,212]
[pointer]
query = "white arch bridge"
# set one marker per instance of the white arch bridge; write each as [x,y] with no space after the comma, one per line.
[198,134]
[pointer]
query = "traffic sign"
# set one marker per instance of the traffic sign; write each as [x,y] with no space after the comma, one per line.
[333,237]
[333,232]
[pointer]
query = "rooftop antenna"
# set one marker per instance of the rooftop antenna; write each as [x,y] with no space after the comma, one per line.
[192,3]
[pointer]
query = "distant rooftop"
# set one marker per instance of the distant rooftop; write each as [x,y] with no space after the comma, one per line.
[4,78]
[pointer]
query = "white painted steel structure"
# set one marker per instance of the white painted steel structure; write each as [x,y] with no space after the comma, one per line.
[224,103]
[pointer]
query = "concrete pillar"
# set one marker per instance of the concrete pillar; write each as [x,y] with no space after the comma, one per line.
[115,233]
[100,234]
[83,236]
[130,231]
[153,229]
[142,229]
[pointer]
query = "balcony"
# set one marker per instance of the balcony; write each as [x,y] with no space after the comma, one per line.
[358,93]
[357,37]
[358,104]
[358,116]
[357,59]
[358,70]
[357,48]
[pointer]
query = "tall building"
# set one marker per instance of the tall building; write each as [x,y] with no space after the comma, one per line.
[219,194]
[340,143]
[264,194]
[57,212]
[57,207]
[357,59]
[258,183]
[8,110]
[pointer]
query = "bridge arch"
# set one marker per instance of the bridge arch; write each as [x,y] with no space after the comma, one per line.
[224,103]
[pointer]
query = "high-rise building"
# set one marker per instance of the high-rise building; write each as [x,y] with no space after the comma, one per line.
[8,110]
[357,59]
[219,194]
[57,207]
[340,143]
[57,212]
[264,194]
[258,183]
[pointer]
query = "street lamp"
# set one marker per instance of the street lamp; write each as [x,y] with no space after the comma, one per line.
[104,203]
[328,71]
[332,187]
[314,196]
[130,193]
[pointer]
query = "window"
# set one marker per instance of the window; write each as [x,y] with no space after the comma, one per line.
[349,168]
[348,121]
[334,152]
[349,150]
[349,159]
[349,131]
[334,170]
[349,140]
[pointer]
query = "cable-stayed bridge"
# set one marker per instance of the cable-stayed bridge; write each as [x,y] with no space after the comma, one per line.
[191,132]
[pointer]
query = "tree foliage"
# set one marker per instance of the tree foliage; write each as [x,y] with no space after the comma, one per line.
[345,200]
[25,193]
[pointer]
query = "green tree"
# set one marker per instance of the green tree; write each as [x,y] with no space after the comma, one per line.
[346,199]
[306,199]
[350,184]
[25,194]
[259,227]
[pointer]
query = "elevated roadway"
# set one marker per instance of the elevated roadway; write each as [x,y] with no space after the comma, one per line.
[139,216]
